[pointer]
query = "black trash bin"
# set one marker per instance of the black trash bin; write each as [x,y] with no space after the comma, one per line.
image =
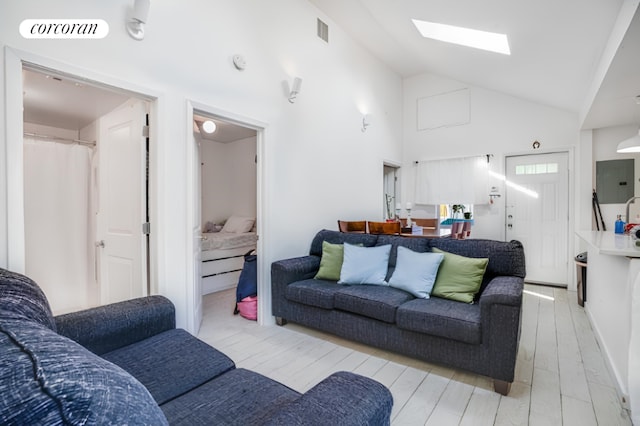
[581,277]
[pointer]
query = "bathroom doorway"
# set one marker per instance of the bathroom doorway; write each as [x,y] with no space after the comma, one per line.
[85,172]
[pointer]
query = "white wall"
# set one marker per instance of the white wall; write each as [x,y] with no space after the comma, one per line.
[605,142]
[228,179]
[499,125]
[319,165]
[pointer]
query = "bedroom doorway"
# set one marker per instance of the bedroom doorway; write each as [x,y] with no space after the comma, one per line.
[83,148]
[228,206]
[226,221]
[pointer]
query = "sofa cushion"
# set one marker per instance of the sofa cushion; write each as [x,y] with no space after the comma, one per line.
[319,293]
[369,403]
[335,237]
[415,244]
[48,379]
[239,397]
[415,272]
[442,317]
[365,265]
[505,258]
[20,297]
[171,363]
[373,301]
[459,277]
[331,261]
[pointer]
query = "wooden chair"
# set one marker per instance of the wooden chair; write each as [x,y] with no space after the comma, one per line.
[359,226]
[390,228]
[425,223]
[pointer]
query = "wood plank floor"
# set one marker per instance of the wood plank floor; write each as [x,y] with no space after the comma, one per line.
[561,378]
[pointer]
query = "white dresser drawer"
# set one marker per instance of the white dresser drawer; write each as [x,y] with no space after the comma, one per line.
[220,282]
[219,266]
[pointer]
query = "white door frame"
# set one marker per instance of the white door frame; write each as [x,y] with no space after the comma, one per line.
[14,60]
[264,291]
[571,210]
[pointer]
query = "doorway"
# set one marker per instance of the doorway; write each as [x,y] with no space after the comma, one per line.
[227,183]
[85,171]
[537,213]
[226,204]
[390,194]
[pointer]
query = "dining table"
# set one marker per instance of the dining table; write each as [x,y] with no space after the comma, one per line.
[429,233]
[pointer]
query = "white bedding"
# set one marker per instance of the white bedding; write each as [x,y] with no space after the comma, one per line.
[223,240]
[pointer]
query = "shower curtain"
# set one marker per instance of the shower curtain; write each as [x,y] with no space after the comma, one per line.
[59,224]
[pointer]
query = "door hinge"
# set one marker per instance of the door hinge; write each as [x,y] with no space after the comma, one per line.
[145,131]
[146,228]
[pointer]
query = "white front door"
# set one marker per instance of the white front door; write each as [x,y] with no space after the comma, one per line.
[537,213]
[120,244]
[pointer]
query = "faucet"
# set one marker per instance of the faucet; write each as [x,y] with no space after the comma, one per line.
[629,201]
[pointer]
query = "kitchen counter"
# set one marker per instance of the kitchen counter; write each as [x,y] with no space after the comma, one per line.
[610,243]
[613,308]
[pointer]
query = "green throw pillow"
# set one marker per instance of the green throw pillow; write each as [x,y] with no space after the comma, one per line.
[330,262]
[459,278]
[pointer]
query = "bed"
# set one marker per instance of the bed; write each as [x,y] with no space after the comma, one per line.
[222,256]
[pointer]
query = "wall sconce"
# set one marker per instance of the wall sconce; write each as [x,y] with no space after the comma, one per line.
[366,122]
[135,27]
[295,89]
[629,145]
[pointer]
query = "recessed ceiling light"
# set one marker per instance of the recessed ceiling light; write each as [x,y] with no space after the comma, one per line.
[209,126]
[493,42]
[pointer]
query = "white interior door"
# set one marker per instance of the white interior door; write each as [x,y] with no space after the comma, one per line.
[537,213]
[120,247]
[389,194]
[196,170]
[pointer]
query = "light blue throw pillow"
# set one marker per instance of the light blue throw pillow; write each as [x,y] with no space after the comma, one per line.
[416,272]
[365,265]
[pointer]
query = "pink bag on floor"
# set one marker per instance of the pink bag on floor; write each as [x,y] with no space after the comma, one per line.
[248,307]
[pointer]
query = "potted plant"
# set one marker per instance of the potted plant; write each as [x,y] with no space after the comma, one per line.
[467,215]
[456,209]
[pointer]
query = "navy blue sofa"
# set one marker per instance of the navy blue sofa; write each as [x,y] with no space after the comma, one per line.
[481,337]
[126,363]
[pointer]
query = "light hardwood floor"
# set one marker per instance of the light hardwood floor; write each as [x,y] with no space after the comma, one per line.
[561,378]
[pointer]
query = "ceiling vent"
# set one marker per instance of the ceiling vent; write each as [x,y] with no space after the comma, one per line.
[323,30]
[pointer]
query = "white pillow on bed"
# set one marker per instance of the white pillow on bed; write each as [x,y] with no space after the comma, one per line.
[238,225]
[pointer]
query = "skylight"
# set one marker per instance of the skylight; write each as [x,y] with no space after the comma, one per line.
[493,42]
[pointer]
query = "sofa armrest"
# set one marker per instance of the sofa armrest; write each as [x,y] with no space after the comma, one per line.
[341,399]
[504,290]
[105,328]
[288,271]
[501,312]
[285,272]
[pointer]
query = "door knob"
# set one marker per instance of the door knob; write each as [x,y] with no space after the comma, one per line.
[100,243]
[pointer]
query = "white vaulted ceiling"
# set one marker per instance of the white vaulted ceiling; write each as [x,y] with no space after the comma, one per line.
[556,46]
[556,49]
